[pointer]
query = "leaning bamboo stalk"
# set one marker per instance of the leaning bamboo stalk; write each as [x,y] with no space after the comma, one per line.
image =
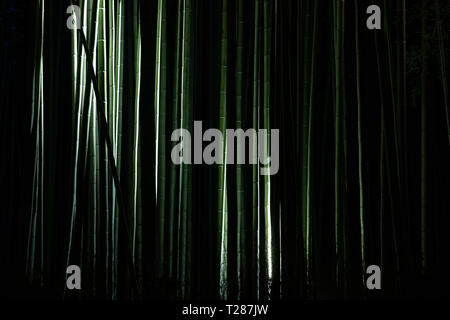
[114,170]
[442,66]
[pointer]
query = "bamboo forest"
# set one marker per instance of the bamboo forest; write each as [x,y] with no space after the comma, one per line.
[92,91]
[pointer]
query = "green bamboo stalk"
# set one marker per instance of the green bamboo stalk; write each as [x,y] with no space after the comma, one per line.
[173,174]
[241,275]
[382,146]
[360,163]
[104,188]
[180,233]
[42,155]
[120,19]
[255,151]
[160,125]
[111,121]
[81,74]
[137,232]
[305,123]
[183,266]
[94,167]
[308,177]
[222,212]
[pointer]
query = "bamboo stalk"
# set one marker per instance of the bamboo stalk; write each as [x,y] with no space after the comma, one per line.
[137,232]
[266,103]
[221,210]
[337,146]
[173,174]
[255,151]
[308,177]
[360,161]
[241,252]
[160,125]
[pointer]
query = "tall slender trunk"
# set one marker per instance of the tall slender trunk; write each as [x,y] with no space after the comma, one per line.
[173,173]
[337,141]
[255,151]
[160,125]
[222,199]
[241,252]
[137,199]
[360,161]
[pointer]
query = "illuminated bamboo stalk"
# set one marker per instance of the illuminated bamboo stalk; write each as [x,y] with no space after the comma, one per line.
[308,177]
[120,18]
[241,276]
[306,38]
[37,112]
[137,232]
[266,115]
[255,151]
[81,73]
[160,125]
[103,165]
[222,212]
[173,173]
[94,172]
[111,121]
[187,173]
